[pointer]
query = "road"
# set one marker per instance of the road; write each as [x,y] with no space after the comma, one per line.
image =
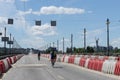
[29,68]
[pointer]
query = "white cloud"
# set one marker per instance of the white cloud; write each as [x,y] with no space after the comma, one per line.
[8,1]
[24,0]
[3,21]
[116,42]
[45,30]
[25,12]
[7,8]
[54,10]
[60,10]
[35,42]
[95,33]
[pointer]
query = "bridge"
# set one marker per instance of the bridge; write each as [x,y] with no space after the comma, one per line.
[67,67]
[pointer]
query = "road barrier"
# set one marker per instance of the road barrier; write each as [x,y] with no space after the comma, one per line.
[117,68]
[77,60]
[5,64]
[105,64]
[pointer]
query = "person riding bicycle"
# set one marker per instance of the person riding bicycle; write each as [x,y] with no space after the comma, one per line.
[53,57]
[39,54]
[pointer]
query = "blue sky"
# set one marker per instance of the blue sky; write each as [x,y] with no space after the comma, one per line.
[72,17]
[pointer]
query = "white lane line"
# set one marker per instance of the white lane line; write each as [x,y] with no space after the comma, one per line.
[29,65]
[60,77]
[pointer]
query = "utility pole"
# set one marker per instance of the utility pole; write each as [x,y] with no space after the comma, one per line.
[107,22]
[5,41]
[84,39]
[10,43]
[50,44]
[53,44]
[63,45]
[58,45]
[13,46]
[71,43]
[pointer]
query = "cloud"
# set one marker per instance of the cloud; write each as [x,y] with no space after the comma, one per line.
[7,8]
[95,33]
[3,20]
[25,12]
[45,30]
[116,42]
[60,10]
[54,10]
[31,42]
[24,0]
[8,1]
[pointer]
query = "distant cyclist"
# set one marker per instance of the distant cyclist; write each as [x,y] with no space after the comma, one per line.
[39,54]
[53,57]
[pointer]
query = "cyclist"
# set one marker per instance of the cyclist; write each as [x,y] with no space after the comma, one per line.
[39,54]
[53,57]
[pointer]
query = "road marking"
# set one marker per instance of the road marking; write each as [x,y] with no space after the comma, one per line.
[29,65]
[61,77]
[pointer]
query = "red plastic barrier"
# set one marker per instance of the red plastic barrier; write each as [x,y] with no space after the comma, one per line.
[10,60]
[2,66]
[117,68]
[71,59]
[15,59]
[105,58]
[100,65]
[95,64]
[63,58]
[82,62]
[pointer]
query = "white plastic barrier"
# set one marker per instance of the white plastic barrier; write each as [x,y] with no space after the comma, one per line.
[59,58]
[86,63]
[66,59]
[111,58]
[6,64]
[109,66]
[77,60]
[101,57]
[12,60]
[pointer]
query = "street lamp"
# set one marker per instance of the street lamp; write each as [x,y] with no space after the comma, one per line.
[71,43]
[84,39]
[5,39]
[108,22]
[10,42]
[63,45]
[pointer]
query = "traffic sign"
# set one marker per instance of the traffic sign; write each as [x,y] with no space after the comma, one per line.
[38,23]
[10,42]
[10,21]
[53,23]
[5,38]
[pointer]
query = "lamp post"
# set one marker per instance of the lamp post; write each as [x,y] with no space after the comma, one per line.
[63,45]
[71,43]
[107,22]
[84,39]
[10,42]
[58,45]
[5,39]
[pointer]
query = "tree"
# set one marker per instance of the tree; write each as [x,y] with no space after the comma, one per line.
[90,49]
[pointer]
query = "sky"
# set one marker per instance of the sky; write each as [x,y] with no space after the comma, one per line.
[71,16]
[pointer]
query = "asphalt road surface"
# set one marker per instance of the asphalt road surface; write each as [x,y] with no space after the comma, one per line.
[29,68]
